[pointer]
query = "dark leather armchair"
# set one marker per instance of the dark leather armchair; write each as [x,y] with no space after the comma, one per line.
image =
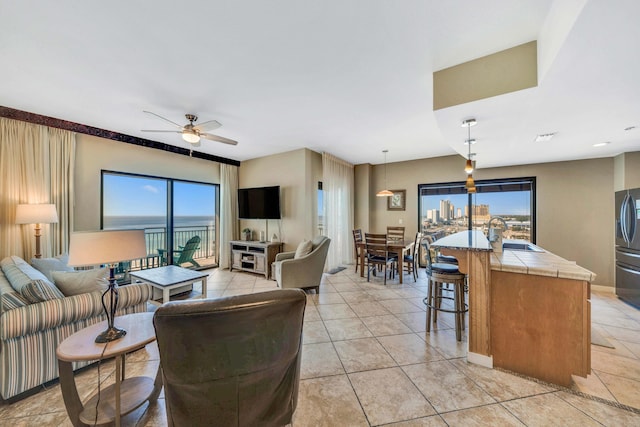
[231,361]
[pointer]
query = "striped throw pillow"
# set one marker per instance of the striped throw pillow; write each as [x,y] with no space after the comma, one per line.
[40,290]
[11,300]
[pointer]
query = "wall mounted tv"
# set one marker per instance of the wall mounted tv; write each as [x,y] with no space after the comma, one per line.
[259,203]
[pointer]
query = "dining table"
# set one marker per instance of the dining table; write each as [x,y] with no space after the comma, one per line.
[399,247]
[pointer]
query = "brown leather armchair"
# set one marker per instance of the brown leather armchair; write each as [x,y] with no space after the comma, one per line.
[231,361]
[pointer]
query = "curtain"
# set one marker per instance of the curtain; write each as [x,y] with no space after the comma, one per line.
[228,211]
[337,186]
[29,175]
[62,153]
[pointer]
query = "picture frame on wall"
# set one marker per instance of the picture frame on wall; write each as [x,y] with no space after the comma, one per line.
[397,202]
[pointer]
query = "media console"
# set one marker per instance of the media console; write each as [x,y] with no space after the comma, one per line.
[254,256]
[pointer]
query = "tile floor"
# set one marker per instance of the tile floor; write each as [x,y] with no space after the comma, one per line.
[367,361]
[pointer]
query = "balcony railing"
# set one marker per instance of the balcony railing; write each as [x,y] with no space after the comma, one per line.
[156,238]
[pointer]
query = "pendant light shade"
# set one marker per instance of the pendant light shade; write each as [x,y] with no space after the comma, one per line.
[470,185]
[385,192]
[468,168]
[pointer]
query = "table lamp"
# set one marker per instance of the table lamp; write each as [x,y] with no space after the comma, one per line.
[36,214]
[107,247]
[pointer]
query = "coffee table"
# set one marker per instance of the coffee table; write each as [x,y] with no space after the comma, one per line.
[126,394]
[170,277]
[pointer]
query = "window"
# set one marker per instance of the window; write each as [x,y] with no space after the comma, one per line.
[446,208]
[170,211]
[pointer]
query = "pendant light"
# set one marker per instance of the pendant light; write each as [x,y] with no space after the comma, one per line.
[468,168]
[385,192]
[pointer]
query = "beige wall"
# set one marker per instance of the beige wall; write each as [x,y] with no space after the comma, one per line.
[627,171]
[574,203]
[297,173]
[94,154]
[632,170]
[362,202]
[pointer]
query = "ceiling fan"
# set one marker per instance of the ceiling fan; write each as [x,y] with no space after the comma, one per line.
[192,133]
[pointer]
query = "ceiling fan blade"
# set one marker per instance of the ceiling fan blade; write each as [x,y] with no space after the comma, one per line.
[206,126]
[166,120]
[219,139]
[170,131]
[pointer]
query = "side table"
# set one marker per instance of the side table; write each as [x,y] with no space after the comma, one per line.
[126,394]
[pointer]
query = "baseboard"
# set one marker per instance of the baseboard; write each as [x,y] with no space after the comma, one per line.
[480,359]
[603,289]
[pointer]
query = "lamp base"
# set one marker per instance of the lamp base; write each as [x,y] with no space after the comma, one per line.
[111,334]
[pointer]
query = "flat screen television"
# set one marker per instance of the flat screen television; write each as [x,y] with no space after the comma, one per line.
[259,203]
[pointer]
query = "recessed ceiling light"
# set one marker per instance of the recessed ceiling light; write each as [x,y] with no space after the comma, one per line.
[544,137]
[602,144]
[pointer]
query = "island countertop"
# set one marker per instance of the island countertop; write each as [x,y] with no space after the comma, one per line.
[539,263]
[474,240]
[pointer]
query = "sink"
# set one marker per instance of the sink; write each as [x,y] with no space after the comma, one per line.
[518,246]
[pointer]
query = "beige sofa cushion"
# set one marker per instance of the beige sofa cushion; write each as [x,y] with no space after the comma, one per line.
[48,265]
[80,282]
[304,248]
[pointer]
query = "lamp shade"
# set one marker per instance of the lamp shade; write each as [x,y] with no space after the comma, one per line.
[470,185]
[36,214]
[384,193]
[106,247]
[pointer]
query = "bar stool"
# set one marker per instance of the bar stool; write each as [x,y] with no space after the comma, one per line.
[441,274]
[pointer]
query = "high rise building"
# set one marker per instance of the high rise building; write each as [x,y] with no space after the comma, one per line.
[446,212]
[433,215]
[481,213]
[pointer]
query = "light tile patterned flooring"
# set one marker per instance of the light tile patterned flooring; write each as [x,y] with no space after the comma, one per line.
[367,361]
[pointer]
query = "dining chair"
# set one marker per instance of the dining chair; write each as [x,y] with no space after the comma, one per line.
[377,255]
[410,261]
[395,233]
[357,238]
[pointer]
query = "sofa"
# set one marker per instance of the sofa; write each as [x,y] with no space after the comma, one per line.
[302,268]
[35,316]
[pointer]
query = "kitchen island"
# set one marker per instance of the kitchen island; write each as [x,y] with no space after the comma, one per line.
[529,310]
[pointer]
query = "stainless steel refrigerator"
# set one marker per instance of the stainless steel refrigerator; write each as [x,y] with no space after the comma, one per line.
[628,245]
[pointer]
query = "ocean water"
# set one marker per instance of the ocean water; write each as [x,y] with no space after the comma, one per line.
[156,222]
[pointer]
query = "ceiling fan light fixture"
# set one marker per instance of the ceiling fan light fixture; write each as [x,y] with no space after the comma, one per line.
[191,137]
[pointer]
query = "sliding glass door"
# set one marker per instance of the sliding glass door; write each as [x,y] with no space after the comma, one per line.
[195,220]
[177,214]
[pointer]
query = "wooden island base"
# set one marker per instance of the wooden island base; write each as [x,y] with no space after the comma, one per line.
[529,310]
[540,326]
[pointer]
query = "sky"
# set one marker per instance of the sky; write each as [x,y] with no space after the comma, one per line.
[506,203]
[134,196]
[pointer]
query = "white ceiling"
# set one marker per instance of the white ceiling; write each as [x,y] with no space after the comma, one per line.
[350,77]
